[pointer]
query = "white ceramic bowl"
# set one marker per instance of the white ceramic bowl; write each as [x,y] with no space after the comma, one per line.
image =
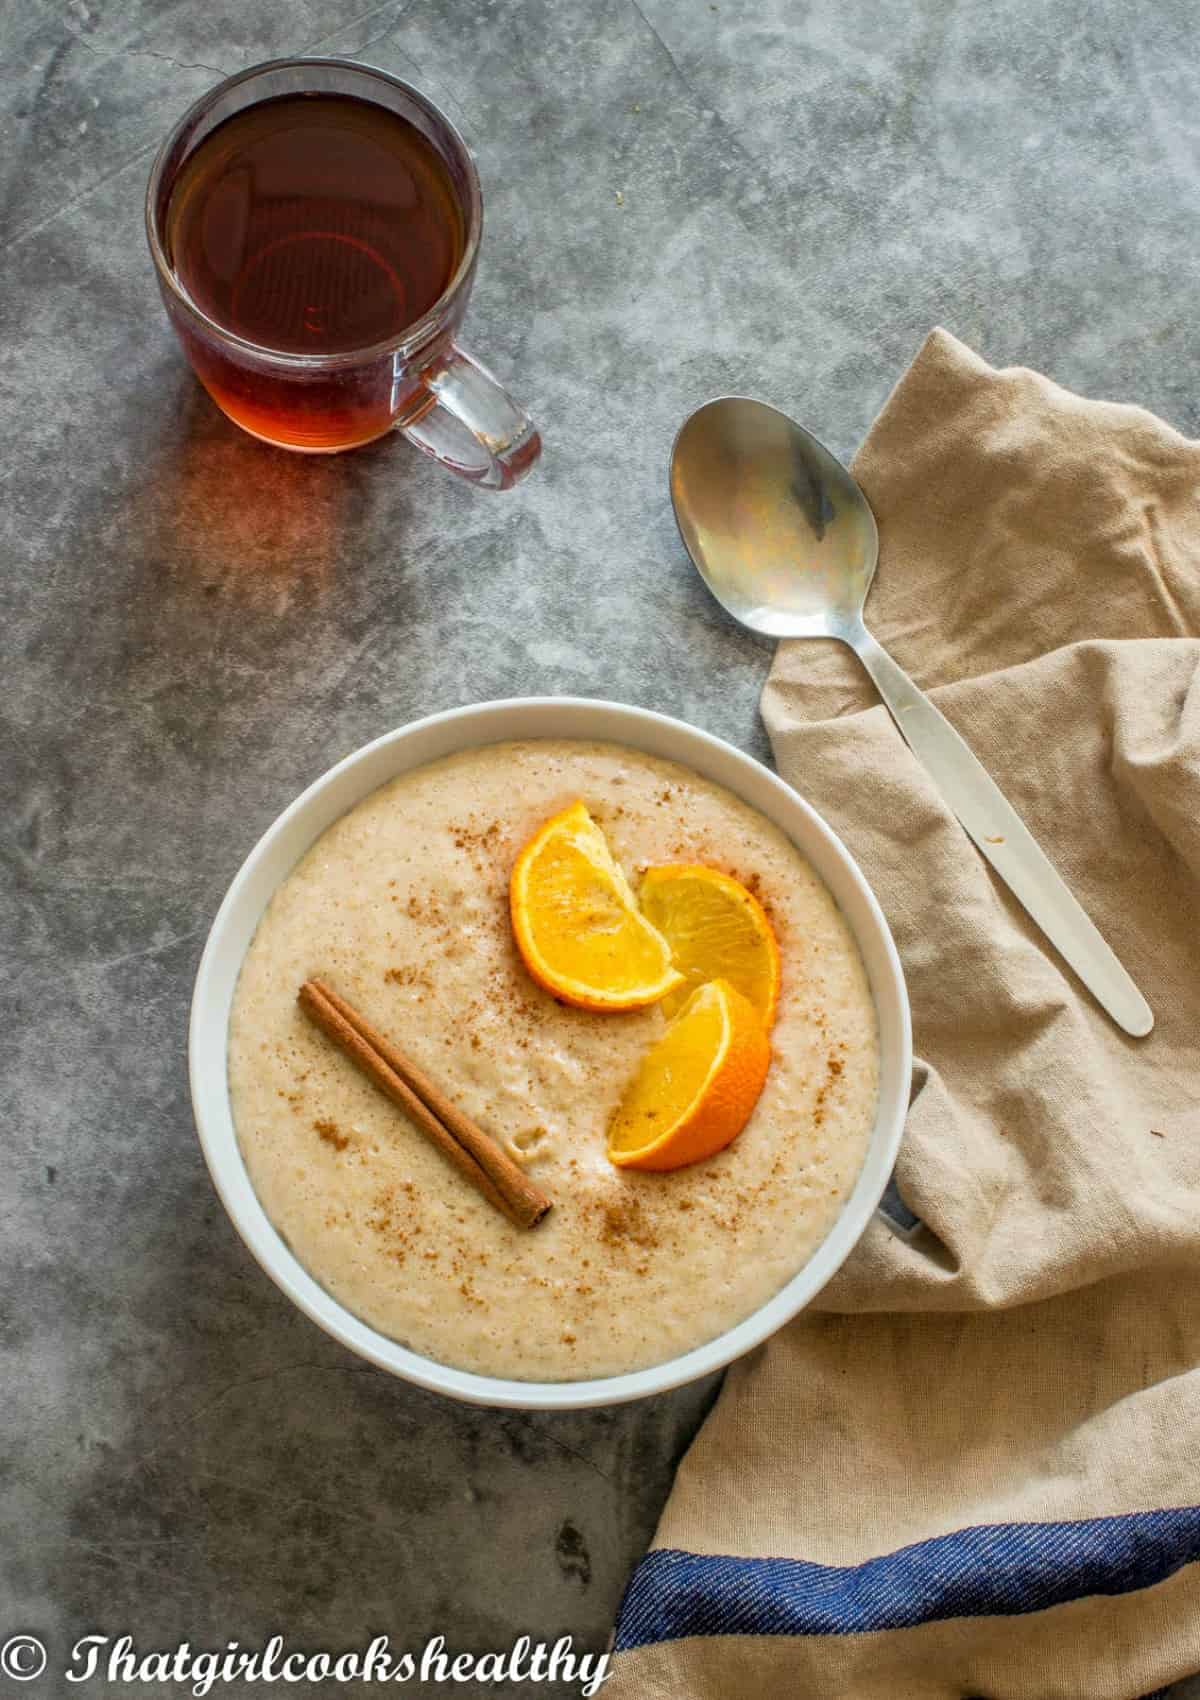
[281,847]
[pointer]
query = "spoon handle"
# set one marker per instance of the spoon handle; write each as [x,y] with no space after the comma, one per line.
[1003,837]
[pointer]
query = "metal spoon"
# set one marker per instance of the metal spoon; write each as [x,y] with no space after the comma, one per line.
[786,541]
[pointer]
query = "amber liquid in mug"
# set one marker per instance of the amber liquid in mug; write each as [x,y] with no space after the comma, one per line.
[312,224]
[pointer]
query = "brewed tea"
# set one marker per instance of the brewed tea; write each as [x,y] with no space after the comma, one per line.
[312,224]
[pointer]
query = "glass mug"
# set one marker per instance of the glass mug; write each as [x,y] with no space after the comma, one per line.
[316,260]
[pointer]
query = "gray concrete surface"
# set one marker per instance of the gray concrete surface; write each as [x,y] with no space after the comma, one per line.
[683,198]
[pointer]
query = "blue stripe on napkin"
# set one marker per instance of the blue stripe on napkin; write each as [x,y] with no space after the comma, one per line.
[991,1570]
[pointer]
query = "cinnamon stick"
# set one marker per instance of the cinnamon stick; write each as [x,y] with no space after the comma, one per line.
[479,1159]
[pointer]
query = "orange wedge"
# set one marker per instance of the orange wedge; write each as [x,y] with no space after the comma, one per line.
[696,1088]
[717,930]
[577,924]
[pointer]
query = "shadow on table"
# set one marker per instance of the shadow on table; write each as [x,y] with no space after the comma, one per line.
[264,525]
[230,595]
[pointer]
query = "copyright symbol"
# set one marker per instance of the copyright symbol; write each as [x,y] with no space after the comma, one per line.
[22,1657]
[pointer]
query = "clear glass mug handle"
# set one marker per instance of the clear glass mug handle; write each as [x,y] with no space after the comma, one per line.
[474,427]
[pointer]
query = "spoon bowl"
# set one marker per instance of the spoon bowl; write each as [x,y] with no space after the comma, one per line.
[784,538]
[779,531]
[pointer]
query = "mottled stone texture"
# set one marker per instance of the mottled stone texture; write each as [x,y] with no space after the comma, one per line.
[683,198]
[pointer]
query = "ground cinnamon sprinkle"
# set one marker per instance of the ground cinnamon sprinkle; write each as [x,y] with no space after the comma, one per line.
[833,1067]
[393,1221]
[477,839]
[332,1134]
[405,977]
[624,1222]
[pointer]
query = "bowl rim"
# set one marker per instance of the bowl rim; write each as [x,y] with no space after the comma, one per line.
[216,982]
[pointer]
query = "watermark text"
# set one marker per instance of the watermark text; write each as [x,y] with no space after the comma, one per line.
[201,1670]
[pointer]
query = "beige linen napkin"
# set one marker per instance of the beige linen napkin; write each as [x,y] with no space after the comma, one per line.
[963,1409]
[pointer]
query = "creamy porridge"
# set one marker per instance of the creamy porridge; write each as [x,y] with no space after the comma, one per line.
[403,907]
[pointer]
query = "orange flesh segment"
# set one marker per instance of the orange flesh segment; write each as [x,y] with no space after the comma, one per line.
[717,930]
[696,1089]
[577,925]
